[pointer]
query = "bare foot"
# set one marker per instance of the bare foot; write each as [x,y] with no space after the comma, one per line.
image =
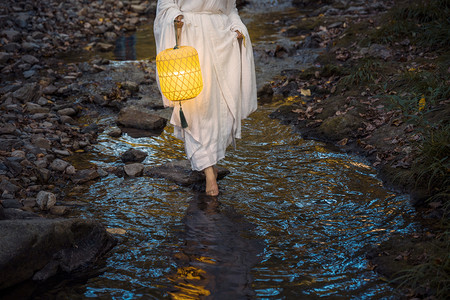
[212,189]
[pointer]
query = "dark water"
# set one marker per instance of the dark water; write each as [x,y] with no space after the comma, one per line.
[293,221]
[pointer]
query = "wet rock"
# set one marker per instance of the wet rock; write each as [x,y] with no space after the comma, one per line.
[134,170]
[59,210]
[48,247]
[10,203]
[83,176]
[42,143]
[30,59]
[114,132]
[11,47]
[18,153]
[339,127]
[67,120]
[9,187]
[14,167]
[138,8]
[180,172]
[45,200]
[29,202]
[110,36]
[7,128]
[70,170]
[27,93]
[34,108]
[131,86]
[22,20]
[12,35]
[67,112]
[134,155]
[50,90]
[29,74]
[9,144]
[140,118]
[4,57]
[380,51]
[104,47]
[265,93]
[59,165]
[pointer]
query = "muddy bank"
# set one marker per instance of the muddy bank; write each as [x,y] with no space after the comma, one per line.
[383,94]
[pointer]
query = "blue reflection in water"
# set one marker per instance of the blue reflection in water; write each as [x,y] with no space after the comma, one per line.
[315,211]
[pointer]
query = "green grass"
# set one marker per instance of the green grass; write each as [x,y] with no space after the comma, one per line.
[431,277]
[365,72]
[425,23]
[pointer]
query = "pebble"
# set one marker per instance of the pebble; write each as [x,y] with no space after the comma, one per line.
[45,200]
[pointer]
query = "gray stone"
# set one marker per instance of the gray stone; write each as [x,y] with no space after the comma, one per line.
[7,128]
[110,36]
[18,153]
[131,86]
[83,176]
[4,57]
[114,132]
[134,155]
[40,248]
[67,120]
[29,73]
[34,108]
[59,165]
[67,111]
[104,47]
[134,170]
[2,213]
[27,46]
[42,143]
[70,170]
[22,20]
[140,118]
[29,202]
[61,152]
[12,35]
[140,9]
[9,144]
[380,51]
[30,59]
[59,210]
[11,47]
[28,92]
[180,172]
[10,203]
[9,187]
[45,200]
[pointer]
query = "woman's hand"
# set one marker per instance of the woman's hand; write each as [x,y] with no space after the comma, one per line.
[240,35]
[178,21]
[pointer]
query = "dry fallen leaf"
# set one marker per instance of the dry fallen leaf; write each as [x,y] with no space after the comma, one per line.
[305,92]
[343,142]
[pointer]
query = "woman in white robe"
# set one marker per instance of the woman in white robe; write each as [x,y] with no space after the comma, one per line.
[215,30]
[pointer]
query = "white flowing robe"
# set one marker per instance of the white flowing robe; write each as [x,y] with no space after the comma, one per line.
[229,84]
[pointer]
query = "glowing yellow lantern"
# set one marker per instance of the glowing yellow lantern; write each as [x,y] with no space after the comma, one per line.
[179,73]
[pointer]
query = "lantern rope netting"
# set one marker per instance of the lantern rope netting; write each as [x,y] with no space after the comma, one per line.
[179,73]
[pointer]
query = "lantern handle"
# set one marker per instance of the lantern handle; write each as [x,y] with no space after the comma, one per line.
[177,34]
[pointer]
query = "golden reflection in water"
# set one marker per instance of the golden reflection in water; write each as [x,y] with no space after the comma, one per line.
[190,283]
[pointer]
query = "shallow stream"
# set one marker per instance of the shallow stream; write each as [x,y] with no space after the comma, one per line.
[293,220]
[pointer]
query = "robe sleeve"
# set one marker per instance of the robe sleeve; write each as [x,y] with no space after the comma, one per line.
[248,76]
[236,22]
[164,31]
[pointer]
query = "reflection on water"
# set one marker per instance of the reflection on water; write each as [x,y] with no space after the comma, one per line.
[216,259]
[293,221]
